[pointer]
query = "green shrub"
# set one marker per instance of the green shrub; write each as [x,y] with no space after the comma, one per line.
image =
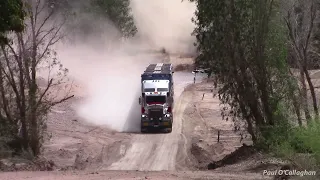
[309,138]
[301,146]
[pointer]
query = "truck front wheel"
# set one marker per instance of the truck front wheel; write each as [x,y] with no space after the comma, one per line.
[144,130]
[169,130]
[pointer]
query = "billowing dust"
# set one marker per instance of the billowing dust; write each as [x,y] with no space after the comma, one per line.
[165,23]
[109,72]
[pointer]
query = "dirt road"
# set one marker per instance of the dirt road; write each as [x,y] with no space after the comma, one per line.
[156,152]
[131,175]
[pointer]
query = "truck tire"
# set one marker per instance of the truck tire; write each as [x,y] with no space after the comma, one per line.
[169,130]
[144,130]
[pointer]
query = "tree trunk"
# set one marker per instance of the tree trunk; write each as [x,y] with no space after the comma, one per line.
[35,144]
[23,107]
[297,109]
[313,94]
[304,97]
[33,112]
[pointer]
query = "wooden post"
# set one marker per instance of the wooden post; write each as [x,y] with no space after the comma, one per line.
[218,135]
[213,94]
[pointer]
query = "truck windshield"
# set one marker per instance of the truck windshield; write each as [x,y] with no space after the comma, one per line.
[155,99]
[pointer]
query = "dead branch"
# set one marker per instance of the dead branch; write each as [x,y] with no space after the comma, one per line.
[61,101]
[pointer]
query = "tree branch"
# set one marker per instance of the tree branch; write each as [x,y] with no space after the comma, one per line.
[293,39]
[62,100]
[11,77]
[44,22]
[25,57]
[312,18]
[51,42]
[3,92]
[44,93]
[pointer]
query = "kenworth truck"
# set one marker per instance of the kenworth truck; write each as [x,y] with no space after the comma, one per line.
[156,98]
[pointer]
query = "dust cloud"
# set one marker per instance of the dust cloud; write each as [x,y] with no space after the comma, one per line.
[108,72]
[165,23]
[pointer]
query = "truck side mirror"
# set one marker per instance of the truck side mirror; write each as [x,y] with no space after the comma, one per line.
[140,100]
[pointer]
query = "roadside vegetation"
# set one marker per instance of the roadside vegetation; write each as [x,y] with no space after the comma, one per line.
[261,53]
[29,29]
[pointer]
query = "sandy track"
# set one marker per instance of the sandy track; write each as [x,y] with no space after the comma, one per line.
[78,145]
[156,152]
[131,175]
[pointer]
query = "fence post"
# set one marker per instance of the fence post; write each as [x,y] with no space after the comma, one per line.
[218,135]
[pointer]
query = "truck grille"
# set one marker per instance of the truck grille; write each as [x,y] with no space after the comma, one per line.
[156,114]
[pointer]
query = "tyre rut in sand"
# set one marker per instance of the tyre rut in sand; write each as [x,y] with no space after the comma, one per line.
[154,152]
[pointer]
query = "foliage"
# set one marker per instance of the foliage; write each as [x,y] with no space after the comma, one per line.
[302,147]
[308,137]
[11,17]
[233,40]
[246,44]
[24,103]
